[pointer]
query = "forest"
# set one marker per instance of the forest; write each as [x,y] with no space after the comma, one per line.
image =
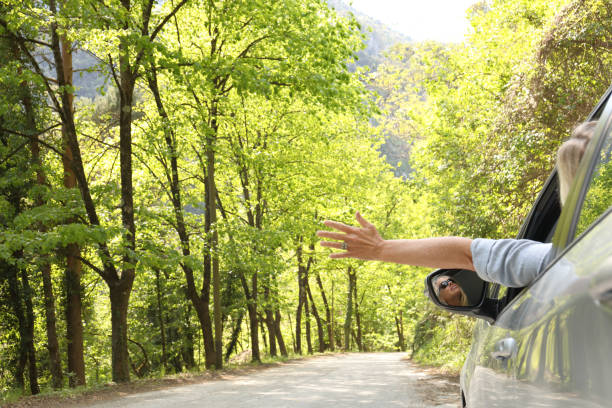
[164,166]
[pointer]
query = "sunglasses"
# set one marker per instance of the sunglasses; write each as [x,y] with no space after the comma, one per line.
[444,284]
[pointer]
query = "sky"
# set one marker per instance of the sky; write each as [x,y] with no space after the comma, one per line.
[440,20]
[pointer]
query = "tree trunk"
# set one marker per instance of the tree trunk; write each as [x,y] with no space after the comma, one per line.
[123,283]
[211,259]
[269,319]
[315,313]
[202,311]
[29,339]
[308,331]
[349,310]
[119,298]
[263,330]
[217,313]
[357,316]
[304,289]
[279,334]
[187,349]
[400,331]
[74,323]
[16,294]
[297,348]
[234,336]
[399,325]
[254,215]
[255,357]
[291,330]
[160,313]
[251,296]
[253,318]
[173,337]
[25,318]
[328,314]
[338,340]
[271,332]
[301,301]
[55,364]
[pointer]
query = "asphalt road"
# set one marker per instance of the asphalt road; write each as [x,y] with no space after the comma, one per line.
[349,380]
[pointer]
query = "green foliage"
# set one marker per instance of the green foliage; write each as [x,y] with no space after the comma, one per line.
[439,139]
[477,172]
[442,340]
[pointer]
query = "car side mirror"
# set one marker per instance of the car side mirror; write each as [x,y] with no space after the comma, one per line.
[461,291]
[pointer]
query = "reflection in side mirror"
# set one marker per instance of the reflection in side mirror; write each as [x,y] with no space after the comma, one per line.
[456,287]
[468,296]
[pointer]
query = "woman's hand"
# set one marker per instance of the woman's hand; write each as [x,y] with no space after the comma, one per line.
[361,243]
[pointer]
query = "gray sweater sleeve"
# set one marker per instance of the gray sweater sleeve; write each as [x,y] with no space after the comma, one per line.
[511,262]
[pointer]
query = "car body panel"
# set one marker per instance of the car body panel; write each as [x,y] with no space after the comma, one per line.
[563,331]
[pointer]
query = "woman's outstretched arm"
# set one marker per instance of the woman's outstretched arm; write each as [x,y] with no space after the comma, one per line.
[366,243]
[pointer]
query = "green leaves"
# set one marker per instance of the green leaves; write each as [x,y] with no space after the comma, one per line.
[296,139]
[481,163]
[35,243]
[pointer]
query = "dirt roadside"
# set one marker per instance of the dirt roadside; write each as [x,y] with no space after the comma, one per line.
[437,387]
[433,385]
[114,391]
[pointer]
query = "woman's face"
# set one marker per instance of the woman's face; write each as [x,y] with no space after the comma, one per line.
[449,291]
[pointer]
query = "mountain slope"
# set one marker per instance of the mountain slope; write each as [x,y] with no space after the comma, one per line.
[379,37]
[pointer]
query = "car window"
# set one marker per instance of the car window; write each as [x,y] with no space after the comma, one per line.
[598,196]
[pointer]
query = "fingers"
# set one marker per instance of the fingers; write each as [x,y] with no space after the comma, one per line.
[362,221]
[331,235]
[336,245]
[339,226]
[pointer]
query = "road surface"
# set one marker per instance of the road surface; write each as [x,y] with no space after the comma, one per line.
[347,380]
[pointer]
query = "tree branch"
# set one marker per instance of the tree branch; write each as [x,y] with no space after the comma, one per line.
[35,137]
[165,20]
[113,72]
[251,45]
[32,40]
[95,139]
[92,266]
[157,30]
[17,150]
[146,17]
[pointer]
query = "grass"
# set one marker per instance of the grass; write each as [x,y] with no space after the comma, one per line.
[14,395]
[61,398]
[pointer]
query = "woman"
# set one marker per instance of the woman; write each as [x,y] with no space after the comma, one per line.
[449,292]
[511,262]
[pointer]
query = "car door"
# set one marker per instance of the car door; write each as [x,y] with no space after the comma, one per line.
[551,345]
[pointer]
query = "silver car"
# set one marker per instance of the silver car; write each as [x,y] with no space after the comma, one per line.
[550,344]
